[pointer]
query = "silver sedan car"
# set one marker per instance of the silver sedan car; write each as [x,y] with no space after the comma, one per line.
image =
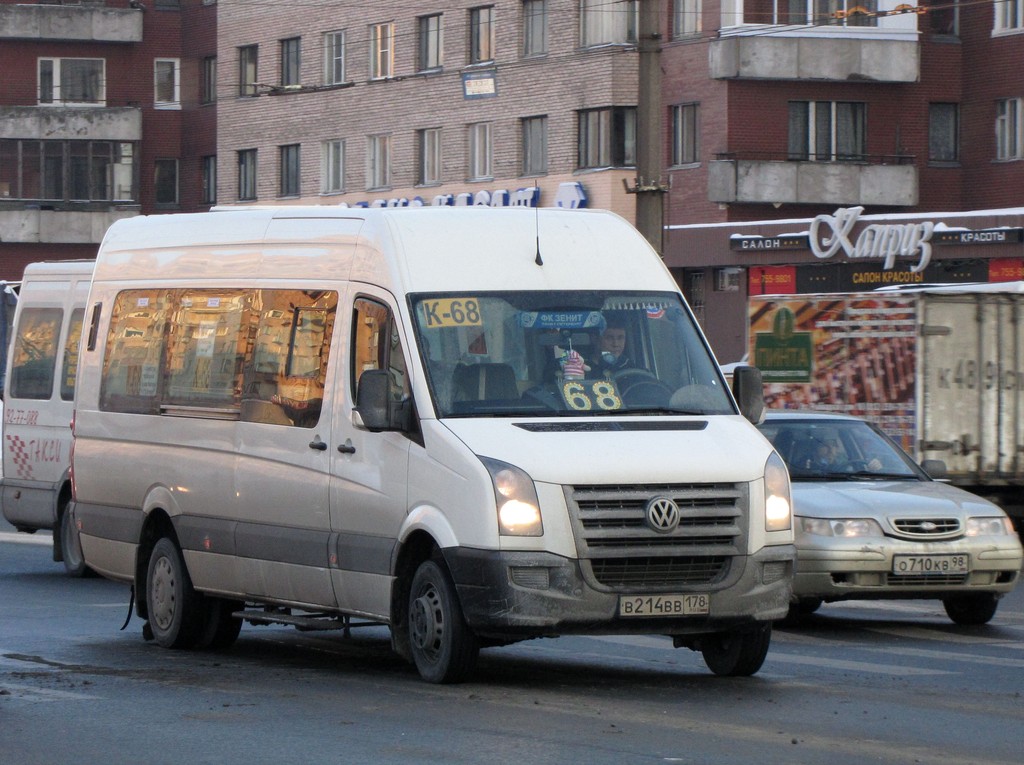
[870,523]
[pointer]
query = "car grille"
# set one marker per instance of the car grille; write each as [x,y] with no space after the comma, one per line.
[927,580]
[927,528]
[622,552]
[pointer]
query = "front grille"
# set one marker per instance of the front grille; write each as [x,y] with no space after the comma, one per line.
[927,580]
[927,528]
[623,552]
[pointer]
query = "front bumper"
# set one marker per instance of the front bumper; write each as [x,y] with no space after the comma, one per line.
[515,595]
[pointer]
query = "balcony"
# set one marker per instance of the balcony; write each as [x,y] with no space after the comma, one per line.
[32,224]
[87,23]
[868,42]
[890,181]
[121,123]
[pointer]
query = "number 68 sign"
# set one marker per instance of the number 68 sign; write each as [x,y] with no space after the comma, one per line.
[584,395]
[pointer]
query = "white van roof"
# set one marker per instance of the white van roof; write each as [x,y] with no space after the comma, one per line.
[415,249]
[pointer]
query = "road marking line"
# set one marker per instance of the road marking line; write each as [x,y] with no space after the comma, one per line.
[44,694]
[25,539]
[856,666]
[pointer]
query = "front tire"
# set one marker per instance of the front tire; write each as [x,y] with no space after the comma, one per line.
[444,649]
[71,545]
[737,654]
[176,611]
[971,610]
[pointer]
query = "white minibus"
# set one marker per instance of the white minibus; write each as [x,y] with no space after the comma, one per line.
[39,389]
[309,415]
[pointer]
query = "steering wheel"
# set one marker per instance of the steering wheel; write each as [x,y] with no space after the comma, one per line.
[639,387]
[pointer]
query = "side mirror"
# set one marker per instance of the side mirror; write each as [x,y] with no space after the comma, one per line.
[372,400]
[748,390]
[934,468]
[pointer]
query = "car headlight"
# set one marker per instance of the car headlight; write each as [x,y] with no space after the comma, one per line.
[841,527]
[516,498]
[778,503]
[989,526]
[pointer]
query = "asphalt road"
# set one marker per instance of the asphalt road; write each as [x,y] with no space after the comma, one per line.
[891,682]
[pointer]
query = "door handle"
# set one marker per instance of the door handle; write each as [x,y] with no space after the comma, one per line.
[317,444]
[347,447]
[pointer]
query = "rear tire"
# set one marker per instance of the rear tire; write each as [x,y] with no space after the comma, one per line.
[737,654]
[220,629]
[444,649]
[176,611]
[971,610]
[71,545]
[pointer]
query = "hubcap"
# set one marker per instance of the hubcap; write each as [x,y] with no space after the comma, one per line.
[161,595]
[426,621]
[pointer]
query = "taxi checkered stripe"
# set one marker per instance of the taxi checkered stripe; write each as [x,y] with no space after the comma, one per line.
[19,456]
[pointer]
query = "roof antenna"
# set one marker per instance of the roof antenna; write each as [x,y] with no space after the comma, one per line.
[536,223]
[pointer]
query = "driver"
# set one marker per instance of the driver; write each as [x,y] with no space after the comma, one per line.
[613,348]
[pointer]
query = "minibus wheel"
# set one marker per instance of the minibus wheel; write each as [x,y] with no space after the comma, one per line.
[175,609]
[444,649]
[737,654]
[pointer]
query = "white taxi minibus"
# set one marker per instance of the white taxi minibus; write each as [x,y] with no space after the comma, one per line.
[309,415]
[39,390]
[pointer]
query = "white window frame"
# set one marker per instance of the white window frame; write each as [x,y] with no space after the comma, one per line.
[248,168]
[535,145]
[429,171]
[55,97]
[430,31]
[248,70]
[290,49]
[686,134]
[833,137]
[535,27]
[289,176]
[1009,140]
[686,18]
[1008,16]
[482,38]
[334,57]
[609,22]
[480,152]
[175,101]
[332,166]
[382,51]
[378,161]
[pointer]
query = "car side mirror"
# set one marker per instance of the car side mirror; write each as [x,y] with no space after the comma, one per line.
[372,400]
[748,390]
[935,468]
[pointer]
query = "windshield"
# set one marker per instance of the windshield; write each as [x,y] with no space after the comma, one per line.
[566,353]
[816,450]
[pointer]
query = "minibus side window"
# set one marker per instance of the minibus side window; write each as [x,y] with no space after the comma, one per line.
[133,363]
[35,353]
[376,344]
[70,366]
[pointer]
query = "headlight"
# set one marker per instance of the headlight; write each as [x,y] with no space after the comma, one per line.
[516,498]
[843,527]
[778,504]
[991,526]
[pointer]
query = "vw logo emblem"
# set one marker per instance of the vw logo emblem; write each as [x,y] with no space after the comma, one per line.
[662,515]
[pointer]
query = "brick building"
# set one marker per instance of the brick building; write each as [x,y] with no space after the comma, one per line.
[100,118]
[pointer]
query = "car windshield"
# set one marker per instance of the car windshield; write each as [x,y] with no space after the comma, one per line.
[816,450]
[508,354]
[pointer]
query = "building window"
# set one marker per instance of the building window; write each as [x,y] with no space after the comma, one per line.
[165,181]
[291,60]
[289,185]
[607,137]
[686,18]
[944,17]
[684,134]
[431,43]
[210,179]
[610,22]
[208,80]
[382,54]
[838,13]
[535,145]
[247,58]
[79,81]
[247,174]
[1009,15]
[481,34]
[429,170]
[68,171]
[167,83]
[944,132]
[1008,129]
[378,172]
[695,294]
[827,131]
[535,27]
[334,58]
[480,151]
[332,167]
